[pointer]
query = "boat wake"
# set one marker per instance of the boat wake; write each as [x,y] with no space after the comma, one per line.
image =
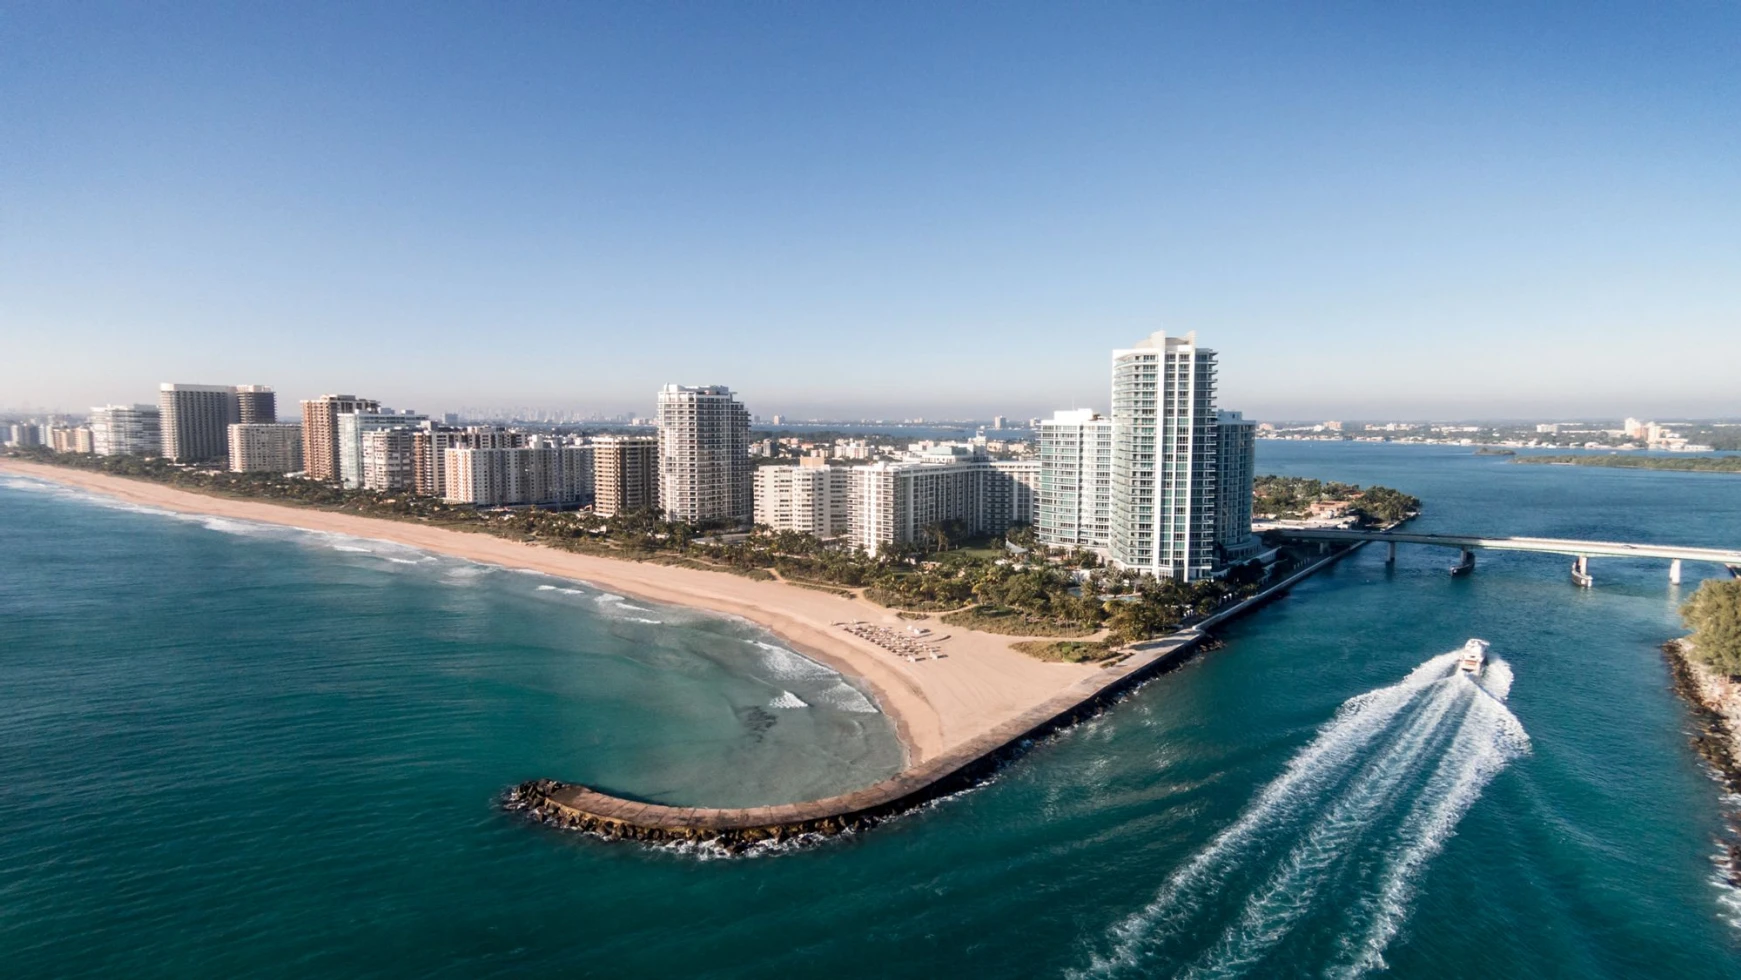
[1343,833]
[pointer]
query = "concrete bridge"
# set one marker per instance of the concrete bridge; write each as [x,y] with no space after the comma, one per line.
[1581,551]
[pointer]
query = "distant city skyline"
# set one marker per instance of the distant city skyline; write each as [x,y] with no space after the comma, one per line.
[889,211]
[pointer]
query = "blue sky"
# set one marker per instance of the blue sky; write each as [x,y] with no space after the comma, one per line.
[1370,210]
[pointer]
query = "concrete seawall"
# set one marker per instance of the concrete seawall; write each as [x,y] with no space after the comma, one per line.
[576,807]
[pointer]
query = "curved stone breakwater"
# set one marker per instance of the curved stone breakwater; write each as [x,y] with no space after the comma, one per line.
[570,806]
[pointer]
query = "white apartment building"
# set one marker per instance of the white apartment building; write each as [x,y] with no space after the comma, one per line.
[1012,493]
[1235,476]
[547,475]
[24,435]
[390,458]
[705,472]
[1163,458]
[126,430]
[1076,480]
[195,421]
[258,447]
[352,426]
[806,498]
[895,502]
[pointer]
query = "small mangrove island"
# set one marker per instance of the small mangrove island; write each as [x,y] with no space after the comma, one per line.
[1683,464]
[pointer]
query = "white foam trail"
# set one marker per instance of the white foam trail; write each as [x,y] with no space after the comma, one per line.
[638,619]
[546,588]
[608,597]
[788,700]
[1489,737]
[353,548]
[1312,828]
[1287,897]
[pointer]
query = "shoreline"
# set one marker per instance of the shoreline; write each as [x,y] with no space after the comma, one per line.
[574,807]
[935,706]
[1715,703]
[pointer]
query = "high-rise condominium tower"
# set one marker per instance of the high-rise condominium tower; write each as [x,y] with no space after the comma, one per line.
[626,473]
[256,405]
[127,430]
[320,431]
[811,497]
[1235,475]
[265,447]
[704,455]
[352,426]
[1163,458]
[196,421]
[1076,480]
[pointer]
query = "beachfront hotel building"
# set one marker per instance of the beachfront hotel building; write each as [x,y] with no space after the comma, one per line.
[351,428]
[126,430]
[625,473]
[547,475]
[705,471]
[897,502]
[1163,458]
[261,447]
[256,405]
[1235,478]
[320,431]
[810,498]
[195,421]
[1076,480]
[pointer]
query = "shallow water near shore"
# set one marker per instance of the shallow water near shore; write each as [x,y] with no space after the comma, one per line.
[237,749]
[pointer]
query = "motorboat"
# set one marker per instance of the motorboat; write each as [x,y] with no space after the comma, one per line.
[1474,657]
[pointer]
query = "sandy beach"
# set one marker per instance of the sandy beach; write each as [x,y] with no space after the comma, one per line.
[935,704]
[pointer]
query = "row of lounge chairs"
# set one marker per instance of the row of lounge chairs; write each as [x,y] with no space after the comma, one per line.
[914,646]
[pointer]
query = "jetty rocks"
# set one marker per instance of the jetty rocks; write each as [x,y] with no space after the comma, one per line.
[568,806]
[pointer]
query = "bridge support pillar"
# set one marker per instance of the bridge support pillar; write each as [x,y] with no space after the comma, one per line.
[1581,572]
[1674,572]
[1390,559]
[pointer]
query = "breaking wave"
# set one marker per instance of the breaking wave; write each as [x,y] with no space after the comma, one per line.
[788,700]
[1345,830]
[787,665]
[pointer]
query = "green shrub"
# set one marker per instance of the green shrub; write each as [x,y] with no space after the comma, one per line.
[1714,616]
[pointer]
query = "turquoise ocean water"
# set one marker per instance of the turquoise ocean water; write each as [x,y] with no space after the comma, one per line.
[228,749]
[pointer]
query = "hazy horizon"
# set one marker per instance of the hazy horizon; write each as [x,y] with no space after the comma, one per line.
[1371,212]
